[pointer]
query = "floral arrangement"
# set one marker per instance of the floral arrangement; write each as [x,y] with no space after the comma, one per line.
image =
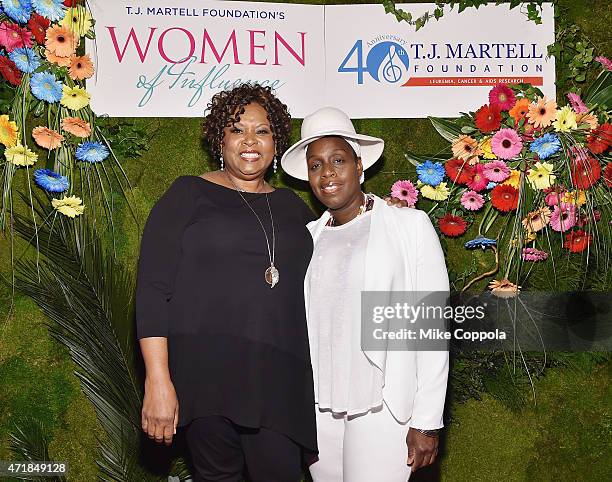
[537,173]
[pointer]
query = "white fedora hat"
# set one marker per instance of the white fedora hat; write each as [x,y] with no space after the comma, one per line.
[329,121]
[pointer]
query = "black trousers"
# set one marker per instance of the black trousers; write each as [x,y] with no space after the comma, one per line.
[220,450]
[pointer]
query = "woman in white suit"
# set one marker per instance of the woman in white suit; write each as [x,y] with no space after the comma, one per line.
[378,412]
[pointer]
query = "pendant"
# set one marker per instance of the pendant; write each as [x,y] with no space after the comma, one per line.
[272,276]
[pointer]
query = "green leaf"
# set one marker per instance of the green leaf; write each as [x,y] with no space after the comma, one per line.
[468,130]
[447,129]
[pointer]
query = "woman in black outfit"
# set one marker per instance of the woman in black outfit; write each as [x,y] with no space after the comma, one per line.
[220,303]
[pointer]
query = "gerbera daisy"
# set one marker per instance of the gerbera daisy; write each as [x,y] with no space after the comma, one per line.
[536,220]
[472,201]
[12,36]
[554,195]
[608,174]
[542,112]
[514,178]
[47,138]
[605,62]
[520,109]
[72,3]
[563,217]
[466,148]
[452,226]
[38,25]
[91,152]
[506,143]
[585,170]
[51,181]
[480,242]
[78,20]
[430,173]
[8,131]
[587,119]
[52,9]
[487,118]
[458,170]
[565,120]
[56,59]
[541,175]
[9,71]
[18,10]
[20,155]
[61,41]
[406,191]
[74,98]
[504,197]
[438,193]
[575,197]
[546,146]
[496,171]
[530,132]
[502,97]
[577,241]
[504,288]
[76,126]
[533,254]
[45,87]
[81,68]
[477,181]
[25,59]
[600,139]
[70,206]
[487,150]
[577,104]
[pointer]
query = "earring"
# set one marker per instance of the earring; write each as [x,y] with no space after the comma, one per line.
[221,159]
[275,165]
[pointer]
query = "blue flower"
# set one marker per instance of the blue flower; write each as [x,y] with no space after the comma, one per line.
[491,185]
[25,59]
[52,9]
[92,152]
[430,173]
[546,146]
[44,86]
[18,10]
[480,242]
[51,181]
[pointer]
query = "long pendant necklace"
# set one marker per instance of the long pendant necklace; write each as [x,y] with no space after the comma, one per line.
[271,275]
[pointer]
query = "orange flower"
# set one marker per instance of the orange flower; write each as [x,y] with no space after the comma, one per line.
[520,109]
[56,59]
[76,126]
[61,41]
[504,288]
[588,119]
[47,138]
[542,112]
[81,68]
[467,149]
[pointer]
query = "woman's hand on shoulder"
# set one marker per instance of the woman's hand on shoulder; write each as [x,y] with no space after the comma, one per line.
[399,203]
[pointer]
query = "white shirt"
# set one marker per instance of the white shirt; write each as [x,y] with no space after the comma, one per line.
[345,381]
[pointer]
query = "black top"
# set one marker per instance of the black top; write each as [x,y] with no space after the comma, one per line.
[236,347]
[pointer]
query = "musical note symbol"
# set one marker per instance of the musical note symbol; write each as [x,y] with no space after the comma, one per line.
[389,70]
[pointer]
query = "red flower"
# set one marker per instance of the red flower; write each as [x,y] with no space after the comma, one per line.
[488,118]
[504,197]
[9,71]
[608,174]
[39,25]
[600,139]
[458,170]
[452,226]
[585,170]
[577,241]
[72,3]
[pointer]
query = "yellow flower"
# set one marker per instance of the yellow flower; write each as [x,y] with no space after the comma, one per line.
[74,98]
[541,177]
[574,197]
[514,179]
[8,131]
[70,206]
[566,120]
[487,151]
[438,193]
[77,19]
[20,156]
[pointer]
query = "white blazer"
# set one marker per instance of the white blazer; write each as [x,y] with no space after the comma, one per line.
[403,254]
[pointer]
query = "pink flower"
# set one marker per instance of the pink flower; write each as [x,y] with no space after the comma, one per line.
[606,62]
[577,104]
[496,171]
[472,201]
[502,97]
[532,254]
[506,144]
[553,198]
[406,191]
[478,181]
[12,36]
[563,217]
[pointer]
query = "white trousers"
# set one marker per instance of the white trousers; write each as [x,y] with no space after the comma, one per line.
[363,448]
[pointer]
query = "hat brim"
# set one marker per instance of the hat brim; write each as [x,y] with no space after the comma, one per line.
[294,159]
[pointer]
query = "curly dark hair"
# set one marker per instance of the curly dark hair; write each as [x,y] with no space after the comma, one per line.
[227,106]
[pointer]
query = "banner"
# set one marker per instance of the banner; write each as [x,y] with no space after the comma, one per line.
[168,58]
